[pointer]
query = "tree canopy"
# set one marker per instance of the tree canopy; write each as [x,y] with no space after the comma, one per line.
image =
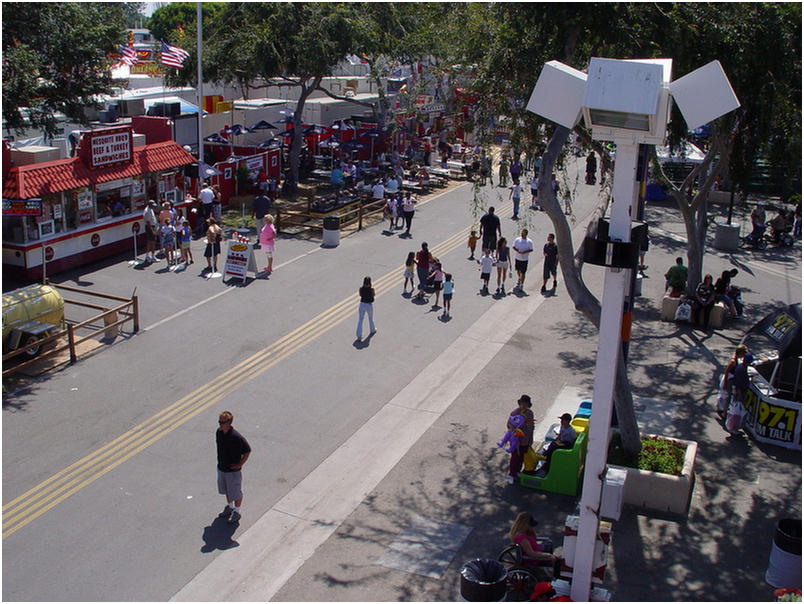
[57,59]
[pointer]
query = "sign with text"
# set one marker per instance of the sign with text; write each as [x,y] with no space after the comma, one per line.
[22,207]
[239,260]
[772,420]
[110,147]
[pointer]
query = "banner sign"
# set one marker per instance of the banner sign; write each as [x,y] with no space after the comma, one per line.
[107,147]
[772,420]
[22,207]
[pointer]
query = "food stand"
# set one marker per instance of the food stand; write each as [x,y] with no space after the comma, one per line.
[773,401]
[69,212]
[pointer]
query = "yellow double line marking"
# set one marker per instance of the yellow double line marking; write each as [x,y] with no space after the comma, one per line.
[24,509]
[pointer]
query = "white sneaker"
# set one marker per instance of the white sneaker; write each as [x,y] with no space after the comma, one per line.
[510,480]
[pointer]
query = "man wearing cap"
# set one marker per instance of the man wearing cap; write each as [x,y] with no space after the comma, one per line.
[261,207]
[566,439]
[518,455]
[758,221]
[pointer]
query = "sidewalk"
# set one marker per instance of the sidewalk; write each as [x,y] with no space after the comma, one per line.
[454,476]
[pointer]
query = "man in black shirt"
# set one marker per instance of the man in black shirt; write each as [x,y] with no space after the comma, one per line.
[262,206]
[550,251]
[233,451]
[489,230]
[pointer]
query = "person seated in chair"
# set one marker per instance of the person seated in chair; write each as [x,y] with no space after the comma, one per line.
[523,534]
[566,440]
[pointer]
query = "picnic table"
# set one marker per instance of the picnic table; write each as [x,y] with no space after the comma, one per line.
[412,185]
[322,174]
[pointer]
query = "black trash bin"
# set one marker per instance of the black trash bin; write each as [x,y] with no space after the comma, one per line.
[483,580]
[784,564]
[332,231]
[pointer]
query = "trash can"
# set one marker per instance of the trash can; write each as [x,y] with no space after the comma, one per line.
[332,231]
[483,580]
[784,565]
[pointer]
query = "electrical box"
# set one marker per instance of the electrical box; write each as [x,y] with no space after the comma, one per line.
[611,498]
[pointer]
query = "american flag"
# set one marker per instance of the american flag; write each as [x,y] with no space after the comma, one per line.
[173,55]
[128,55]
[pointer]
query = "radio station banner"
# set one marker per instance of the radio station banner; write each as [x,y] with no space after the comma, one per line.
[239,260]
[772,420]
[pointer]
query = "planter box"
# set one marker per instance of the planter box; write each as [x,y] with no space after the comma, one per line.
[661,492]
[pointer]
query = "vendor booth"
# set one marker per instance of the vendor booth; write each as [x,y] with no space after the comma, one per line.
[68,212]
[773,402]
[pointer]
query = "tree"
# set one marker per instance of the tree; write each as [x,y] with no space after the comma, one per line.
[509,42]
[57,59]
[759,46]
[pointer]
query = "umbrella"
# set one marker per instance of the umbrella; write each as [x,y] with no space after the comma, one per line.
[314,130]
[286,111]
[216,138]
[270,144]
[288,119]
[205,170]
[290,132]
[262,125]
[372,134]
[329,143]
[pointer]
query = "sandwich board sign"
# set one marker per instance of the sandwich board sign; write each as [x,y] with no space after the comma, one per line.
[239,260]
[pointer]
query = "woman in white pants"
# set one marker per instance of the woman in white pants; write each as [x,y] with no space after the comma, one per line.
[366,306]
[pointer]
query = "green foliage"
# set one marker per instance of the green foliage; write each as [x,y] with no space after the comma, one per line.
[657,455]
[57,59]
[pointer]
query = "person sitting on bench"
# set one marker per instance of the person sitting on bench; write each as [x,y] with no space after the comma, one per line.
[566,440]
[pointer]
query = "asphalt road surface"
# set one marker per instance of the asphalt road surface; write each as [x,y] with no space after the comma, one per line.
[109,465]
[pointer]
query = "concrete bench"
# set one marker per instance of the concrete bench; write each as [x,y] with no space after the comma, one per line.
[716,318]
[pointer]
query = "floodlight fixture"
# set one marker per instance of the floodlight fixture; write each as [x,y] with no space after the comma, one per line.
[558,94]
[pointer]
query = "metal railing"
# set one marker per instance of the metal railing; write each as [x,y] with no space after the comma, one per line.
[128,310]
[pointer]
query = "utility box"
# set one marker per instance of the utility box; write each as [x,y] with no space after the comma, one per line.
[611,498]
[34,154]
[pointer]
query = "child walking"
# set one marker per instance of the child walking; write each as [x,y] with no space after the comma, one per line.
[167,238]
[449,287]
[186,235]
[472,243]
[486,263]
[410,264]
[438,281]
[267,241]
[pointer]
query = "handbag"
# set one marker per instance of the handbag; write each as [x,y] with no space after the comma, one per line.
[723,399]
[683,312]
[736,416]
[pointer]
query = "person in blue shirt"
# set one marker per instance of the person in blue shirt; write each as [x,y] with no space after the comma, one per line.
[336,177]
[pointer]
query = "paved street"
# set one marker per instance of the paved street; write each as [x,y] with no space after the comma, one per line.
[108,465]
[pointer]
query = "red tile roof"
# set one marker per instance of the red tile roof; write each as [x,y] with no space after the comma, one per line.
[35,180]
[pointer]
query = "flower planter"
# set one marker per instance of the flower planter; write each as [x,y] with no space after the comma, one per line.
[661,492]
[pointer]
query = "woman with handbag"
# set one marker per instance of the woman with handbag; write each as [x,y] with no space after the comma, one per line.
[727,382]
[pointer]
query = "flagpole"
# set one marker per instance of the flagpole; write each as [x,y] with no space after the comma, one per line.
[199,91]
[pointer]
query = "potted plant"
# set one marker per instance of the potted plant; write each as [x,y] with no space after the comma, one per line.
[661,477]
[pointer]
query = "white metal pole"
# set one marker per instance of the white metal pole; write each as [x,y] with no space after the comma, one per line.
[199,89]
[608,350]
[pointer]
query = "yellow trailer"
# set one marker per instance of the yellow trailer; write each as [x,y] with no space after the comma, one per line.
[30,313]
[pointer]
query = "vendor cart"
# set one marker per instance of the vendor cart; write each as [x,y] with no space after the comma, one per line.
[773,401]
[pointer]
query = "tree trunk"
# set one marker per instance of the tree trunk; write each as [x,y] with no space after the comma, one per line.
[584,300]
[295,151]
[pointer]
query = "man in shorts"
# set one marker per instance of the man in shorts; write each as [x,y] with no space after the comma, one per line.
[550,261]
[522,249]
[151,230]
[233,451]
[490,230]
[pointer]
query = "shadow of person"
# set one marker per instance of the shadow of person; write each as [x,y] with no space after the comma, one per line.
[218,535]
